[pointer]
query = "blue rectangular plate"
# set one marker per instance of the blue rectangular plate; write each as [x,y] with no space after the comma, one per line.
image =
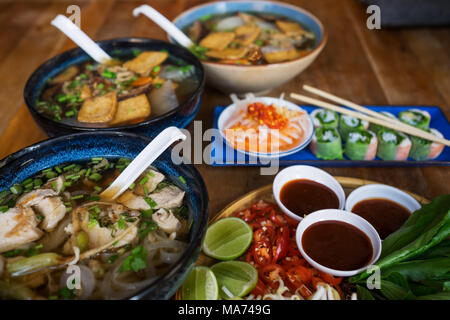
[305,156]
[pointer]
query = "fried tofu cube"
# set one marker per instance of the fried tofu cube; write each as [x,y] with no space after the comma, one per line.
[144,63]
[281,55]
[230,53]
[130,109]
[290,28]
[98,109]
[247,34]
[217,40]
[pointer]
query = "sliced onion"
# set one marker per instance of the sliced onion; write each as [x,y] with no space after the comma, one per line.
[54,239]
[87,281]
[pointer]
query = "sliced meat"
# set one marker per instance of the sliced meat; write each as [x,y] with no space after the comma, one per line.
[18,226]
[56,184]
[104,226]
[168,197]
[133,201]
[166,221]
[32,198]
[154,178]
[53,210]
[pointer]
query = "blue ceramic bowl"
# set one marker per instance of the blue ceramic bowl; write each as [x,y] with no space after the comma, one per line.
[119,48]
[255,78]
[82,146]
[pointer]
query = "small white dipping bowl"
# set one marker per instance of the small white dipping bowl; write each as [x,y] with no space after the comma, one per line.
[381,191]
[226,118]
[342,216]
[307,173]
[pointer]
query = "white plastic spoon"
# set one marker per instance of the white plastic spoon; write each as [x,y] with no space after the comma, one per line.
[144,159]
[165,24]
[80,38]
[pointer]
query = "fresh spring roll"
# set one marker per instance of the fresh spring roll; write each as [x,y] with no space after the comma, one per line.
[349,123]
[416,118]
[361,145]
[423,149]
[326,144]
[325,118]
[376,127]
[393,145]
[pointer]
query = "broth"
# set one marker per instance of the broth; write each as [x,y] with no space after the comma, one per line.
[337,245]
[384,215]
[249,38]
[303,197]
[122,92]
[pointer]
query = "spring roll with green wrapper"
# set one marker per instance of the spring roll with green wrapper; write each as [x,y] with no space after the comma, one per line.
[326,144]
[416,118]
[361,145]
[349,123]
[376,127]
[325,118]
[393,145]
[422,149]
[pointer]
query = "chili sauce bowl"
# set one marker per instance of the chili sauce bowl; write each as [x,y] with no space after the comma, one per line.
[301,172]
[328,215]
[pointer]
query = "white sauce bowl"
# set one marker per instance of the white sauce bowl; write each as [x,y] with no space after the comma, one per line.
[342,216]
[308,173]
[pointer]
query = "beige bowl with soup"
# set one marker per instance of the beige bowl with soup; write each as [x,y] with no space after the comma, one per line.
[236,76]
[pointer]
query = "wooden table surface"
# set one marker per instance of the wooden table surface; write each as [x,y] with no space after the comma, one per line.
[398,67]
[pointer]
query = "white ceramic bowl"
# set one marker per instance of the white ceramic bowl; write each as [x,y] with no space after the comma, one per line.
[257,78]
[381,191]
[343,216]
[226,117]
[308,173]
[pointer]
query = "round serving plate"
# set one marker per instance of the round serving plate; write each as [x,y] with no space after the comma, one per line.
[265,193]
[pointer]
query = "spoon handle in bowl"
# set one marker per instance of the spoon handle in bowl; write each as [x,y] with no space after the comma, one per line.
[165,24]
[143,160]
[82,40]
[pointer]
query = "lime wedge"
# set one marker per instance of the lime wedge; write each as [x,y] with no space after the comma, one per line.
[235,278]
[200,284]
[227,239]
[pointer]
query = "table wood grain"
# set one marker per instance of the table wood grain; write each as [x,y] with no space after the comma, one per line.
[389,66]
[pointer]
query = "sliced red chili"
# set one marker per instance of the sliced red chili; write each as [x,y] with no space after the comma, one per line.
[260,289]
[299,275]
[282,244]
[328,278]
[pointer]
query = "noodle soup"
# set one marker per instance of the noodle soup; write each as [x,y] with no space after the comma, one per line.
[56,220]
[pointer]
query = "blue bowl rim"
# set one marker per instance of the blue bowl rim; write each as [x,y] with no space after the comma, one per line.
[29,87]
[192,246]
[318,48]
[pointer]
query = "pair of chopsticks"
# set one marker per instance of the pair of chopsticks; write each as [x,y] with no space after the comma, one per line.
[364,114]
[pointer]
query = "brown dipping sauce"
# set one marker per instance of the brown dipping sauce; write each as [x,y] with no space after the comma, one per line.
[337,245]
[384,215]
[303,197]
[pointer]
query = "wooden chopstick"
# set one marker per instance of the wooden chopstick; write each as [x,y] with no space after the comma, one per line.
[388,124]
